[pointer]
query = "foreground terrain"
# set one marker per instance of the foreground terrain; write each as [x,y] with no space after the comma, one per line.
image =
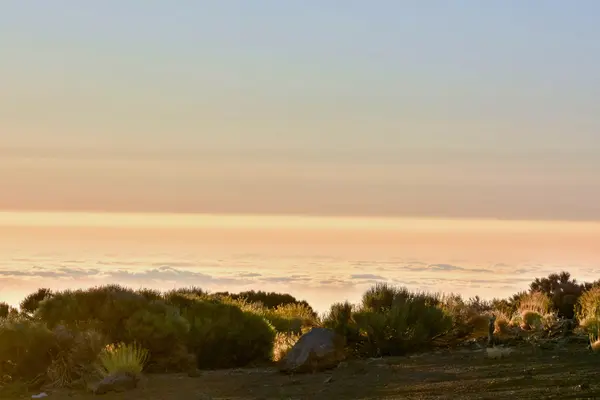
[567,372]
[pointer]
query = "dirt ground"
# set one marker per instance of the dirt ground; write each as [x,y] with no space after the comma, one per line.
[568,373]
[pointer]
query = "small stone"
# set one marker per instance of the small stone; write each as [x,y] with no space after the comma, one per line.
[343,364]
[583,386]
[119,382]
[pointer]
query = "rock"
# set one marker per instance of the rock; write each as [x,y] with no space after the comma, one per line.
[317,350]
[194,373]
[119,382]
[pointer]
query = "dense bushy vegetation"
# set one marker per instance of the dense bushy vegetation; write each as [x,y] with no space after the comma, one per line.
[389,321]
[60,337]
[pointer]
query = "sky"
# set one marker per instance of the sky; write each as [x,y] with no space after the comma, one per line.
[457,109]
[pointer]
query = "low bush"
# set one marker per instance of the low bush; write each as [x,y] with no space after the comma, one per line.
[389,321]
[163,331]
[502,322]
[26,348]
[340,319]
[531,320]
[222,334]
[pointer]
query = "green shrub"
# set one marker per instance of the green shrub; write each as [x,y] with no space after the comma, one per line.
[150,294]
[26,348]
[7,311]
[340,319]
[222,335]
[531,320]
[469,317]
[30,304]
[122,315]
[390,321]
[111,305]
[291,318]
[158,327]
[381,297]
[269,300]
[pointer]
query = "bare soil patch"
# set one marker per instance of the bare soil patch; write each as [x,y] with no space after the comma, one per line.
[568,372]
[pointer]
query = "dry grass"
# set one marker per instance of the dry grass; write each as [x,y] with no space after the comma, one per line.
[480,324]
[502,322]
[536,301]
[531,320]
[283,343]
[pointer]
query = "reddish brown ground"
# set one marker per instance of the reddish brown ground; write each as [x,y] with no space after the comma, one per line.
[568,373]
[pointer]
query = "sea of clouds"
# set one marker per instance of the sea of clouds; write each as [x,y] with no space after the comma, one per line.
[321,280]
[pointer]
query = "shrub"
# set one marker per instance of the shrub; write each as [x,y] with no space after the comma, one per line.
[110,305]
[340,319]
[381,297]
[291,318]
[7,311]
[390,321]
[471,317]
[150,294]
[162,330]
[26,348]
[270,300]
[192,290]
[562,291]
[122,358]
[31,303]
[590,325]
[502,322]
[534,301]
[531,320]
[588,305]
[74,363]
[122,315]
[409,325]
[222,335]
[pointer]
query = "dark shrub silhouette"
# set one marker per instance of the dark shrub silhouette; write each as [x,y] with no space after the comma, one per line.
[562,290]
[30,304]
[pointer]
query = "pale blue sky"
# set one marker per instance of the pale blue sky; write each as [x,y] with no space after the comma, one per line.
[433,108]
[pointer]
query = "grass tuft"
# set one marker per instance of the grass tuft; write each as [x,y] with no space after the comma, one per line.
[122,358]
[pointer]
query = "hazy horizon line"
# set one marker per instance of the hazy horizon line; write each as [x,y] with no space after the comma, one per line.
[7,213]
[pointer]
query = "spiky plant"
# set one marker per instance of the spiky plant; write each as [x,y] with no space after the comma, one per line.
[122,358]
